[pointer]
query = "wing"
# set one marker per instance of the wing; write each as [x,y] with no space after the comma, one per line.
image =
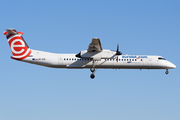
[95,45]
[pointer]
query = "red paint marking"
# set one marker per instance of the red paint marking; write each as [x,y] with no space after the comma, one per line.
[5,33]
[18,48]
[20,33]
[22,57]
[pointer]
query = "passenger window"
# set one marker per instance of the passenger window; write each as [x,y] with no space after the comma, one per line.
[132,59]
[127,59]
[141,59]
[124,59]
[135,59]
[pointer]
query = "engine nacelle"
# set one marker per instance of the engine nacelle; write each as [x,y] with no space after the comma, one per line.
[104,54]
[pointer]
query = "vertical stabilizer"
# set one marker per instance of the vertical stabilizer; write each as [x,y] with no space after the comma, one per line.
[18,46]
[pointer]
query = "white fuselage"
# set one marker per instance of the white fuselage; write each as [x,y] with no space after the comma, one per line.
[116,62]
[94,57]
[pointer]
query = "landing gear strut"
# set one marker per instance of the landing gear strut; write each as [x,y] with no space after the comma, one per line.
[167,71]
[93,70]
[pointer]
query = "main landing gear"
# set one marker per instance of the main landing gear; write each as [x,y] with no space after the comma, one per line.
[92,76]
[167,71]
[93,70]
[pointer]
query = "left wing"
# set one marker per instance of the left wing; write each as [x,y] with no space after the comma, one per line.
[95,45]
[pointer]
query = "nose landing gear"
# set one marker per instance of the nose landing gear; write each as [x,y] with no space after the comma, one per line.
[167,71]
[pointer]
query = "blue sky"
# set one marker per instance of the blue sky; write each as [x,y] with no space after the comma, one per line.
[140,27]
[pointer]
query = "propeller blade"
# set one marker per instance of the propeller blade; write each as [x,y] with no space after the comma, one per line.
[118,52]
[117,48]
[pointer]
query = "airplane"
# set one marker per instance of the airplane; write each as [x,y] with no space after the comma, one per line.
[95,57]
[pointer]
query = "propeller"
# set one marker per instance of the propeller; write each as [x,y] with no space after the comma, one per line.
[117,51]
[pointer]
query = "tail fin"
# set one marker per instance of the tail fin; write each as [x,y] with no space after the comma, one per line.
[19,47]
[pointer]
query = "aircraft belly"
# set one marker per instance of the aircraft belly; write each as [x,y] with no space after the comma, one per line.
[113,65]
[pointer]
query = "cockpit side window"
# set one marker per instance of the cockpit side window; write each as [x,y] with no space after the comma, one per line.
[161,58]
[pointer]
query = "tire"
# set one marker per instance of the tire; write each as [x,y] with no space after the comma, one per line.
[92,76]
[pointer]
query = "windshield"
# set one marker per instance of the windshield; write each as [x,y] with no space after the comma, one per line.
[161,58]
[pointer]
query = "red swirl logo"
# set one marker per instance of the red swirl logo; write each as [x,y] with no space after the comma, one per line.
[18,47]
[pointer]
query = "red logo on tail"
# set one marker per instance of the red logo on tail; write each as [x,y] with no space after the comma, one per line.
[18,47]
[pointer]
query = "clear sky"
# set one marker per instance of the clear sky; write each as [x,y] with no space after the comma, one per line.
[141,27]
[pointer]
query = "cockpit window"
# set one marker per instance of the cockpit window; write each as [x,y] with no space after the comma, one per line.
[161,58]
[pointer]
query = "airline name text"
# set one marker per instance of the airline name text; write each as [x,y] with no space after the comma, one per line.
[134,56]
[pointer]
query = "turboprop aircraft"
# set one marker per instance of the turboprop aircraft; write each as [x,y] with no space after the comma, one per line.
[94,57]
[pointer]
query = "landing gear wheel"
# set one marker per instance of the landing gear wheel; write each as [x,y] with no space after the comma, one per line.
[92,69]
[167,71]
[92,76]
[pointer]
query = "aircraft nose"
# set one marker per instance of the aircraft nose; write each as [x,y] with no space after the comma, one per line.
[171,65]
